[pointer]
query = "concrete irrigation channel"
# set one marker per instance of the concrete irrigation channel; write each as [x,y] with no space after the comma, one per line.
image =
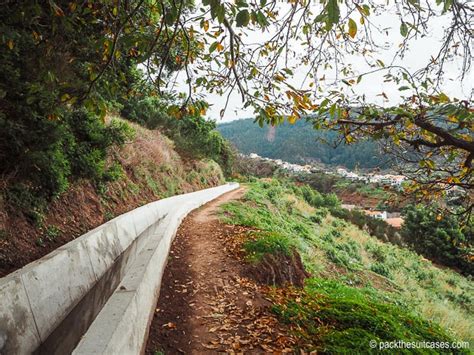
[96,294]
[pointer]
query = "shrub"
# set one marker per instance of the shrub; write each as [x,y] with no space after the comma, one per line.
[274,192]
[89,142]
[437,237]
[316,199]
[376,251]
[331,200]
[148,111]
[345,254]
[376,227]
[78,148]
[322,212]
[338,223]
[336,234]
[52,232]
[380,269]
[311,196]
[316,219]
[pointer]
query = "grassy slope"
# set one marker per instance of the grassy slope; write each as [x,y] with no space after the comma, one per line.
[151,170]
[361,288]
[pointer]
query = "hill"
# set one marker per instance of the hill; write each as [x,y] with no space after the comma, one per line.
[299,143]
[358,289]
[147,168]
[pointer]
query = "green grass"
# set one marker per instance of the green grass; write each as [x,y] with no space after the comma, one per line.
[267,243]
[333,318]
[372,191]
[52,232]
[345,255]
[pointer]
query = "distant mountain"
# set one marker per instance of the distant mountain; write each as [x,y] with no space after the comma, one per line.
[299,143]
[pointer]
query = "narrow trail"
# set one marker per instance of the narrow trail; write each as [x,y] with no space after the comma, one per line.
[205,304]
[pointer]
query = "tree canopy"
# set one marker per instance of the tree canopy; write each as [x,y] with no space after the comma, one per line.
[56,56]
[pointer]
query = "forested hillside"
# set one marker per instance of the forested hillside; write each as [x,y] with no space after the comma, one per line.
[300,143]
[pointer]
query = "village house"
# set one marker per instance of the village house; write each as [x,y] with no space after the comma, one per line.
[376,214]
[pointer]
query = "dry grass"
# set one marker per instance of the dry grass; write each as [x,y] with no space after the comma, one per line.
[302,206]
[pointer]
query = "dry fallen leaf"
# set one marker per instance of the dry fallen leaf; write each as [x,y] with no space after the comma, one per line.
[210,346]
[170,325]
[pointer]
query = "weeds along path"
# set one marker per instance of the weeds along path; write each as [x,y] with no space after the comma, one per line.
[205,305]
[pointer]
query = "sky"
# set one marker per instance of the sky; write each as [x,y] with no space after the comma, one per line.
[418,56]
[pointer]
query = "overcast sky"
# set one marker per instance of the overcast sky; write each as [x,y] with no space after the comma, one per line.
[417,57]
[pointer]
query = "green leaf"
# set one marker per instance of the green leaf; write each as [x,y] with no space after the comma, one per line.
[221,13]
[306,29]
[366,9]
[447,5]
[241,3]
[332,9]
[352,28]
[30,100]
[320,18]
[170,18]
[213,47]
[261,19]
[380,63]
[404,29]
[443,97]
[402,88]
[243,18]
[332,110]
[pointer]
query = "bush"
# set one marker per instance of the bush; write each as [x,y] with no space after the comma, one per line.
[316,199]
[336,234]
[311,196]
[437,237]
[380,269]
[376,251]
[322,212]
[78,149]
[148,111]
[316,219]
[345,254]
[91,138]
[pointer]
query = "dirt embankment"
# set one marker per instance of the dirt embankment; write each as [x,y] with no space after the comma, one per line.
[152,170]
[207,304]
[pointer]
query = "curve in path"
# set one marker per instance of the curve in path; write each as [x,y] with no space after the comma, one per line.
[205,305]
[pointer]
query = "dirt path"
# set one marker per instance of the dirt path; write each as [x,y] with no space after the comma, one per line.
[205,305]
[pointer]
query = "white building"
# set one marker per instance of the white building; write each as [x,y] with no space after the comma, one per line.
[377,214]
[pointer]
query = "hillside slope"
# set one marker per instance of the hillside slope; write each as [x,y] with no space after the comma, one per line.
[360,288]
[298,143]
[149,168]
[269,267]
